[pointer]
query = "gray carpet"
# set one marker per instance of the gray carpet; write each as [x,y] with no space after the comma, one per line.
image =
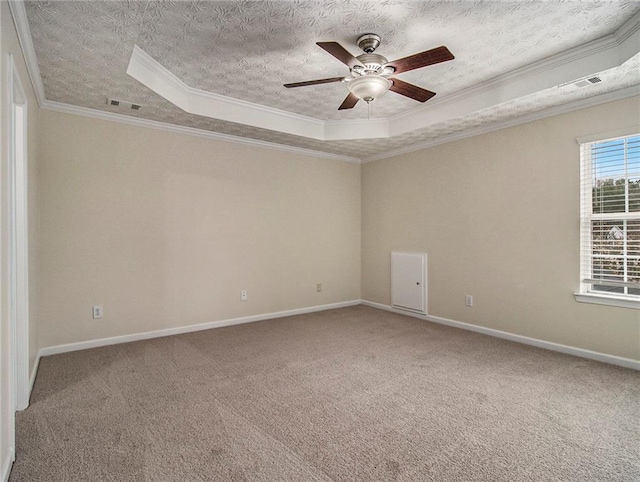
[349,394]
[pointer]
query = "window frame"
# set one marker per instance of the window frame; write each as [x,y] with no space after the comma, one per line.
[586,293]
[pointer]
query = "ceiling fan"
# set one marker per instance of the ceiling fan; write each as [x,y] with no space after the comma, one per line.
[371,73]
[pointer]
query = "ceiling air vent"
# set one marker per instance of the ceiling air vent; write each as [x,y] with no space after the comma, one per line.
[123,104]
[588,81]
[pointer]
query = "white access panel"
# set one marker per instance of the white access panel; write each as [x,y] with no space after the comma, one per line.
[409,281]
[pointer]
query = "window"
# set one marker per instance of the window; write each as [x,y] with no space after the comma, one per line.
[610,221]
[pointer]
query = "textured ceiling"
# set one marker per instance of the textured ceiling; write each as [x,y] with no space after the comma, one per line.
[247,50]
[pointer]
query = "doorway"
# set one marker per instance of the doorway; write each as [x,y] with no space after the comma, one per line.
[18,262]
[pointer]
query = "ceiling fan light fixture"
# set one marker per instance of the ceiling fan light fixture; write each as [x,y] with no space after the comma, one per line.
[369,87]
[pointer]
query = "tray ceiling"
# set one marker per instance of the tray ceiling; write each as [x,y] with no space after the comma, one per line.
[246,50]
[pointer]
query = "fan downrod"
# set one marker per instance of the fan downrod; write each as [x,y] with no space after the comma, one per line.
[369,42]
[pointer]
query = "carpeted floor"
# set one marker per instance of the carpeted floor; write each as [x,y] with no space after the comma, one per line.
[349,394]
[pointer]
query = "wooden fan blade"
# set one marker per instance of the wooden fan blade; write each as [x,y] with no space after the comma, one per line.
[314,82]
[416,61]
[340,53]
[412,91]
[349,102]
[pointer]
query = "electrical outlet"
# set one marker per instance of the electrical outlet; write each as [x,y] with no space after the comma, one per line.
[243,295]
[468,300]
[97,312]
[319,287]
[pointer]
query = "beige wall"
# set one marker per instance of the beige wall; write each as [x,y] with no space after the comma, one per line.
[164,230]
[9,45]
[498,216]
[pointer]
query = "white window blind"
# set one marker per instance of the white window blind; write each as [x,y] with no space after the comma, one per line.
[610,217]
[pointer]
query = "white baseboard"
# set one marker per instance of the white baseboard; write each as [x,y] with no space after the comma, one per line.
[570,350]
[34,371]
[32,379]
[83,345]
[7,463]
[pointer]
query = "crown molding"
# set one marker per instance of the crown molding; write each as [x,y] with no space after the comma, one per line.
[563,68]
[19,14]
[139,56]
[149,72]
[543,114]
[190,131]
[619,38]
[629,28]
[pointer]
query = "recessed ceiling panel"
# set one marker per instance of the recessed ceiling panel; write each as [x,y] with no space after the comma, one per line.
[248,50]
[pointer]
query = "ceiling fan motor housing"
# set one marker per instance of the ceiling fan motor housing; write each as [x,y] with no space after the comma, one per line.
[372,63]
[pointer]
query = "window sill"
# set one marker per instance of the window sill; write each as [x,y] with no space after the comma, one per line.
[609,300]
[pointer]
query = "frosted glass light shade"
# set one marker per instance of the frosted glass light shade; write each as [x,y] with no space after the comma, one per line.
[369,87]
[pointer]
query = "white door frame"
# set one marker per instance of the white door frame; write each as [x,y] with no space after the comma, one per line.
[18,239]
